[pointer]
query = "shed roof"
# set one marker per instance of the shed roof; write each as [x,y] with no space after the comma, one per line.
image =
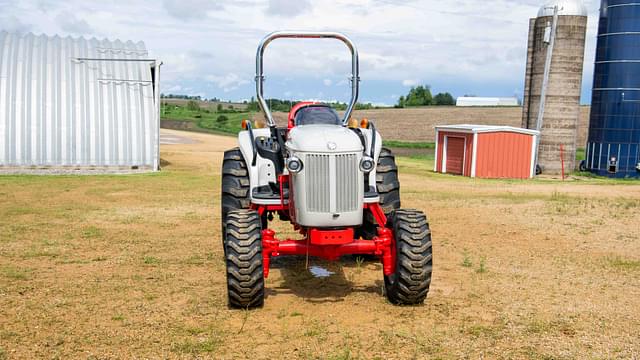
[470,128]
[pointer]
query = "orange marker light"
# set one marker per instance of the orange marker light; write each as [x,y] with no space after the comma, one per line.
[364,123]
[244,124]
[353,123]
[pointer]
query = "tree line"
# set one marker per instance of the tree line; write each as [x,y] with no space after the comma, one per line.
[421,96]
[190,97]
[418,96]
[286,105]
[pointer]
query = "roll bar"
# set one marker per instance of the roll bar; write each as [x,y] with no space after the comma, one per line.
[355,78]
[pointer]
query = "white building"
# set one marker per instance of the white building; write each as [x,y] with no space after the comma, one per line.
[75,104]
[486,101]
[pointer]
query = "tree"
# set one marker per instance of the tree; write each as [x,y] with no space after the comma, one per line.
[222,119]
[443,99]
[219,108]
[253,105]
[193,105]
[418,96]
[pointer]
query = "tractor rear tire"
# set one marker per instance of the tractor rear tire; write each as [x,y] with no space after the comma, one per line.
[245,275]
[387,181]
[388,187]
[235,185]
[409,284]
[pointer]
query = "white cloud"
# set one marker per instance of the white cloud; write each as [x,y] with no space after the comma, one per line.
[288,7]
[410,82]
[172,89]
[210,45]
[71,23]
[327,82]
[13,24]
[227,82]
[190,9]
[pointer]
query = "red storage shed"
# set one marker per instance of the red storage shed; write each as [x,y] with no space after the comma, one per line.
[486,151]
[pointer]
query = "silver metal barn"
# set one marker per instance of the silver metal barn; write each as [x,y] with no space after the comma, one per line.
[69,104]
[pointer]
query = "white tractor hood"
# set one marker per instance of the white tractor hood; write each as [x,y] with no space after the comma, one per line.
[323,139]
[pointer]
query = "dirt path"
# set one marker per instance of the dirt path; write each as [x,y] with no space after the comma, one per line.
[131,266]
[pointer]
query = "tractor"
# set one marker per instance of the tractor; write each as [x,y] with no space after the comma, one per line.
[333,181]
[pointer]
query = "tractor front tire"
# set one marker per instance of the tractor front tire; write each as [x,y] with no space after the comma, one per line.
[245,275]
[409,284]
[235,185]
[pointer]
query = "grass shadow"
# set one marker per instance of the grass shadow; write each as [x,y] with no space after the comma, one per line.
[298,280]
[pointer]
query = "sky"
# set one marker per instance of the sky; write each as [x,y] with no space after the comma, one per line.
[208,47]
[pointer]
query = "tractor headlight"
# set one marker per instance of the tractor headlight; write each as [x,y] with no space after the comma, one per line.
[367,164]
[294,165]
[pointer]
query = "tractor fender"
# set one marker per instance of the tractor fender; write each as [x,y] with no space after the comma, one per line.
[367,133]
[264,171]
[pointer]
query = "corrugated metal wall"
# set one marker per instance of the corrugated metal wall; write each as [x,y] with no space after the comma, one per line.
[614,129]
[58,111]
[504,155]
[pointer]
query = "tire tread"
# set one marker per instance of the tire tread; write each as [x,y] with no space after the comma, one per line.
[414,259]
[243,254]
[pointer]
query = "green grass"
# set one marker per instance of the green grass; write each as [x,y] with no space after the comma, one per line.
[409,144]
[466,261]
[482,267]
[624,264]
[150,260]
[197,347]
[15,273]
[206,120]
[423,157]
[91,232]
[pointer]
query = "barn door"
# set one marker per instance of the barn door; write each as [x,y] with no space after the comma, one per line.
[455,155]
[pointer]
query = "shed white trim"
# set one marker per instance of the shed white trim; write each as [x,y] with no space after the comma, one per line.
[444,156]
[534,151]
[435,163]
[474,156]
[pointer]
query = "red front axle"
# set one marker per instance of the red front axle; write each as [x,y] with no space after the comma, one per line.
[329,244]
[380,245]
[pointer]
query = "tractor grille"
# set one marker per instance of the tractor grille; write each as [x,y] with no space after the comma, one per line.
[319,192]
[318,183]
[347,183]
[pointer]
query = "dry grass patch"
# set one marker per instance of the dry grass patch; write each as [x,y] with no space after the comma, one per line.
[132,267]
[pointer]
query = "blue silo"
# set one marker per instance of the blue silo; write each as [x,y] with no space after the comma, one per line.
[613,147]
